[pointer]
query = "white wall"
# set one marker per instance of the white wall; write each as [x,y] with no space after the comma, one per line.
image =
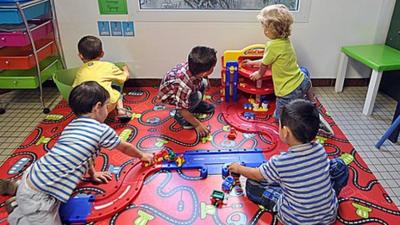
[159,45]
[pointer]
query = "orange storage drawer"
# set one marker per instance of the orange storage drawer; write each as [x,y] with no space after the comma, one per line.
[22,58]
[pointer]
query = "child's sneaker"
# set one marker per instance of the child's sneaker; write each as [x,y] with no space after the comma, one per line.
[8,187]
[325,127]
[204,107]
[179,118]
[126,117]
[187,126]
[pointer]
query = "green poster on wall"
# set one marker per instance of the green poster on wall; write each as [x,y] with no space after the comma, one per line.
[113,7]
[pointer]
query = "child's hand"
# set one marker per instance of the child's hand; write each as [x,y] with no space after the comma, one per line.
[101,177]
[255,76]
[234,168]
[146,157]
[251,63]
[248,62]
[202,130]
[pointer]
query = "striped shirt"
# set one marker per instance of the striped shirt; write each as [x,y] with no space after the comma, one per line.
[177,86]
[59,171]
[303,174]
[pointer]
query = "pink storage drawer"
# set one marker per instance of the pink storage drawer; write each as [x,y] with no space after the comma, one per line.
[22,58]
[19,37]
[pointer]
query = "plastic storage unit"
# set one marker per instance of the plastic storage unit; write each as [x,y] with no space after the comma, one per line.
[30,49]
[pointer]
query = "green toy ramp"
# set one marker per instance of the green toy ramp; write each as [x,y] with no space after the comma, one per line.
[64,80]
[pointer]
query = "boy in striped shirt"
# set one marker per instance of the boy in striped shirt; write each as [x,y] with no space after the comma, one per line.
[302,184]
[52,179]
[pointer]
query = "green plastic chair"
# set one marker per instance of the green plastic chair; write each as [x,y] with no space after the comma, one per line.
[64,80]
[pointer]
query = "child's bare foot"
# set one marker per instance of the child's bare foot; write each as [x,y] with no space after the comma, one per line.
[8,187]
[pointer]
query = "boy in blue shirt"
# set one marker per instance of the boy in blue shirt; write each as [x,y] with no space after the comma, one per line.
[302,184]
[52,179]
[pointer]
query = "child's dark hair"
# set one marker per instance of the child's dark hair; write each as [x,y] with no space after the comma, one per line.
[201,59]
[85,96]
[90,47]
[302,118]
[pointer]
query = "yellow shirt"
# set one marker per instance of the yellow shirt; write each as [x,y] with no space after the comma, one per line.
[286,74]
[104,73]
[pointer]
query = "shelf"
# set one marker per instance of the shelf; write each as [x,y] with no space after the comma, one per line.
[27,79]
[16,36]
[29,45]
[249,87]
[23,57]
[9,13]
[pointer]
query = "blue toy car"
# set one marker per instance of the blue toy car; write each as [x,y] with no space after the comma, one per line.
[249,115]
[228,184]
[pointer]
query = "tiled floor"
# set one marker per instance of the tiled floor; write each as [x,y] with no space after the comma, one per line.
[23,113]
[362,131]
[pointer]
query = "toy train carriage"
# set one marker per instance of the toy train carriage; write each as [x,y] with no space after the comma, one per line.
[217,198]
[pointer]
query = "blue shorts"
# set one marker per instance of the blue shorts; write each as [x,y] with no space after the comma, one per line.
[262,194]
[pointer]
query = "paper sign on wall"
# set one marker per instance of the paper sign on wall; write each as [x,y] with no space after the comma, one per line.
[116,28]
[113,7]
[104,28]
[128,28]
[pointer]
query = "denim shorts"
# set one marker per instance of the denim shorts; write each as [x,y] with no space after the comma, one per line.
[298,93]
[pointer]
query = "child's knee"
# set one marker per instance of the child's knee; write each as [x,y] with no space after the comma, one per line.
[339,173]
[338,168]
[194,100]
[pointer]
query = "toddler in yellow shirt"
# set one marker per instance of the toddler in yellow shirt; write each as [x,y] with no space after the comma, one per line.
[290,81]
[107,74]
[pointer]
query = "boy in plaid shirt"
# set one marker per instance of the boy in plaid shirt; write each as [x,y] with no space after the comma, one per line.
[184,86]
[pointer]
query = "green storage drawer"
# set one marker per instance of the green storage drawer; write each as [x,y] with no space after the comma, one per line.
[27,79]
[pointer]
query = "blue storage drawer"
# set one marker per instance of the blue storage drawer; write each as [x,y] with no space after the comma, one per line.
[9,14]
[14,1]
